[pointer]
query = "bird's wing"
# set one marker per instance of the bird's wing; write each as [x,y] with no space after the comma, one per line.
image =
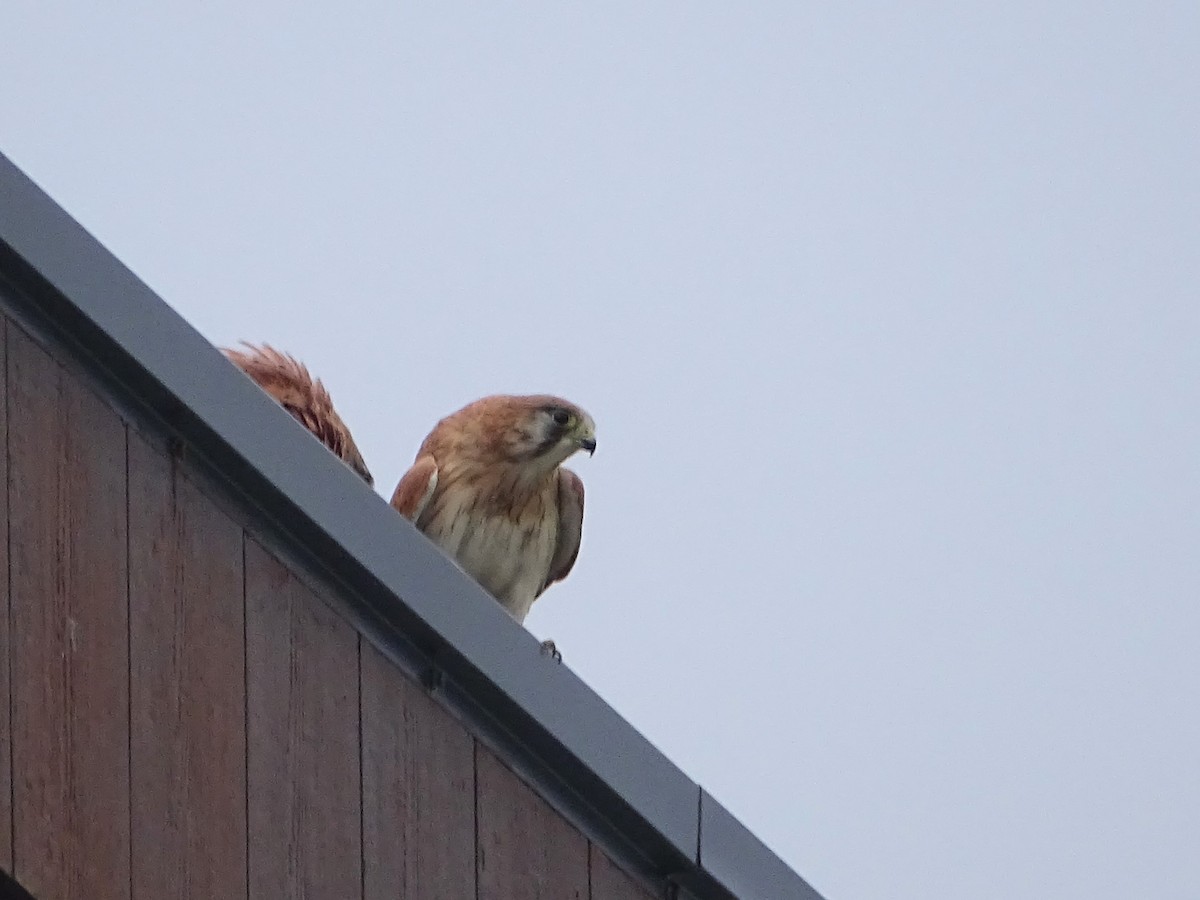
[415,488]
[570,526]
[288,382]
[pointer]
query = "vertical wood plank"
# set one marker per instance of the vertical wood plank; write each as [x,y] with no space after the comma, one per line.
[526,851]
[187,687]
[418,790]
[69,632]
[5,728]
[608,882]
[302,739]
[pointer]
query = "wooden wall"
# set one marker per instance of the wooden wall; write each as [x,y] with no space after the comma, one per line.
[182,716]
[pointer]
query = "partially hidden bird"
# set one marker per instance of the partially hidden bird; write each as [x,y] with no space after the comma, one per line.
[289,383]
[487,485]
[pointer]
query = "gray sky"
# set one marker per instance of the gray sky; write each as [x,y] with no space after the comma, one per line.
[888,317]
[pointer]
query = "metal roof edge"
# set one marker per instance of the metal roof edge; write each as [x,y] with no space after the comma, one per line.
[742,863]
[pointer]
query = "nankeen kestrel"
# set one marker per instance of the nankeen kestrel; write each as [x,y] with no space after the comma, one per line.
[488,487]
[287,380]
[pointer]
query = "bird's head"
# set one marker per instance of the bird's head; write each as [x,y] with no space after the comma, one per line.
[538,431]
[555,429]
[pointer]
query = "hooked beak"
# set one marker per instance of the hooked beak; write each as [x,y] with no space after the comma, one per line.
[589,444]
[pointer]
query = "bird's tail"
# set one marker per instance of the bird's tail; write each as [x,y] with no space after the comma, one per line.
[289,383]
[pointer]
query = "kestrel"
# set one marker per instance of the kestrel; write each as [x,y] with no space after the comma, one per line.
[488,487]
[287,380]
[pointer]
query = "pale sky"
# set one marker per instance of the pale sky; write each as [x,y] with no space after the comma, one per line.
[888,316]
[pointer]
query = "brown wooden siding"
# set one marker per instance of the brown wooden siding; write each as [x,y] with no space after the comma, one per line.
[608,882]
[191,717]
[187,686]
[68,632]
[524,847]
[302,736]
[418,790]
[5,656]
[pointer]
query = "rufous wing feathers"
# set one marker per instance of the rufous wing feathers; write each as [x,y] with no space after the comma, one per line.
[570,526]
[415,488]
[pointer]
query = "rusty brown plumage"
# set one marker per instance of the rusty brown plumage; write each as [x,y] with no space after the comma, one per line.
[289,383]
[488,487]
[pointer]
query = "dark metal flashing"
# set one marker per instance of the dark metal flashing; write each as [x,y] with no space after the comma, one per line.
[400,591]
[742,864]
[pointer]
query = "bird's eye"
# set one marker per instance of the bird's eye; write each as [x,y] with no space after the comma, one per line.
[561,417]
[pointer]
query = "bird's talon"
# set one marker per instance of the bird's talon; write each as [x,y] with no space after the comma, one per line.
[550,650]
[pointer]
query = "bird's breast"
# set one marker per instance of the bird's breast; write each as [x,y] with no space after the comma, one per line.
[507,548]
